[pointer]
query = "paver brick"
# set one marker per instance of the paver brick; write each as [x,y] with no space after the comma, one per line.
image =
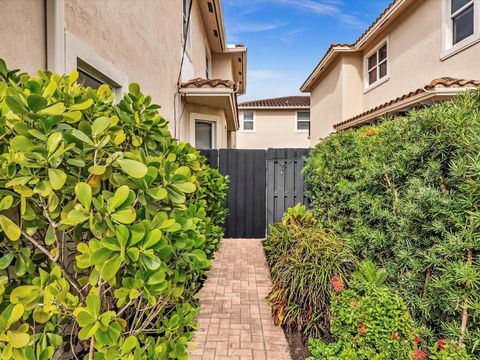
[235,318]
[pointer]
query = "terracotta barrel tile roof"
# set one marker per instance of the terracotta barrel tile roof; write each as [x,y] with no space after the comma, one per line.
[443,82]
[281,102]
[207,83]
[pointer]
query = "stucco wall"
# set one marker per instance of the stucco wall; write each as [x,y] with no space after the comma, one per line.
[326,103]
[23,34]
[273,129]
[222,66]
[136,38]
[416,45]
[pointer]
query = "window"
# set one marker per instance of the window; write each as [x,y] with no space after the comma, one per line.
[248,121]
[204,134]
[90,76]
[303,121]
[462,15]
[377,64]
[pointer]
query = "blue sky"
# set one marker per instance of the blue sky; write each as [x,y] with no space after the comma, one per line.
[287,38]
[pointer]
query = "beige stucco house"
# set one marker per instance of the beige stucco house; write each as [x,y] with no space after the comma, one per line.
[175,49]
[417,52]
[274,123]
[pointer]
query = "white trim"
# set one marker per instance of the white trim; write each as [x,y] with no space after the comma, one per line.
[55,13]
[448,48]
[254,122]
[300,108]
[366,85]
[296,129]
[216,128]
[76,49]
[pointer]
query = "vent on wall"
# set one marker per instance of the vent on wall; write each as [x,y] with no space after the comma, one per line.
[210,7]
[215,32]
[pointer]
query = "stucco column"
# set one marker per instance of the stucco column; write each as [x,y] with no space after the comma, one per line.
[55,10]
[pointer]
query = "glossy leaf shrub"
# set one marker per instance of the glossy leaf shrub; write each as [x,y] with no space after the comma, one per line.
[108,223]
[303,258]
[369,321]
[406,194]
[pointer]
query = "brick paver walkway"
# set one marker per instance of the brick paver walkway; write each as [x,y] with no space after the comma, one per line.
[235,318]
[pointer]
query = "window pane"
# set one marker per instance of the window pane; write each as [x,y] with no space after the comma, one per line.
[247,125]
[463,25]
[203,135]
[303,125]
[303,115]
[248,116]
[372,61]
[457,4]
[383,70]
[88,80]
[372,76]
[382,53]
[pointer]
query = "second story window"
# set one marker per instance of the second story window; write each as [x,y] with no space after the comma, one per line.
[208,70]
[462,14]
[303,121]
[248,121]
[377,64]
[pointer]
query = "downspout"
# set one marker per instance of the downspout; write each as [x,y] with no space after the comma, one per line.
[55,18]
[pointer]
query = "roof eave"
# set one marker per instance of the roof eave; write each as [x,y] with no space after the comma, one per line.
[273,107]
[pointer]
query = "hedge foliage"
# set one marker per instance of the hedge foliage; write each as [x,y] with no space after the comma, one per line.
[302,258]
[371,322]
[406,193]
[108,223]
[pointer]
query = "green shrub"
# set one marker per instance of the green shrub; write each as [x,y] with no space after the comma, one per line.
[406,193]
[108,223]
[371,322]
[303,258]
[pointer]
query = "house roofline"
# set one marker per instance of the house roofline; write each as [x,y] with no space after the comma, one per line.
[391,11]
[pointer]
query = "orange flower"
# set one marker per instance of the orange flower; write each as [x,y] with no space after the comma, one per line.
[395,336]
[337,283]
[419,355]
[363,330]
[441,344]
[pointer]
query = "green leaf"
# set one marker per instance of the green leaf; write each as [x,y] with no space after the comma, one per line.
[75,217]
[157,193]
[11,229]
[16,105]
[15,315]
[93,304]
[134,89]
[80,135]
[199,254]
[6,202]
[125,216]
[36,102]
[87,332]
[111,267]
[21,143]
[152,238]
[156,278]
[130,343]
[6,260]
[84,194]
[50,237]
[97,169]
[55,109]
[57,178]
[53,141]
[100,125]
[120,196]
[82,106]
[151,262]
[100,255]
[134,168]
[18,339]
[185,187]
[50,88]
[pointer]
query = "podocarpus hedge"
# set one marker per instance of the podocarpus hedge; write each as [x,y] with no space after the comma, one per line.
[108,223]
[406,193]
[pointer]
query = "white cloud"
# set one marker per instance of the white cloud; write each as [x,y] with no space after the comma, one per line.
[252,27]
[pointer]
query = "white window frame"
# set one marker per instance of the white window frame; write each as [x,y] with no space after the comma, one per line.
[297,120]
[208,62]
[187,38]
[379,81]
[449,49]
[216,128]
[254,121]
[79,55]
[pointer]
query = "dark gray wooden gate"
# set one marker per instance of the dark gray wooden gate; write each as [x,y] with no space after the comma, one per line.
[263,185]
